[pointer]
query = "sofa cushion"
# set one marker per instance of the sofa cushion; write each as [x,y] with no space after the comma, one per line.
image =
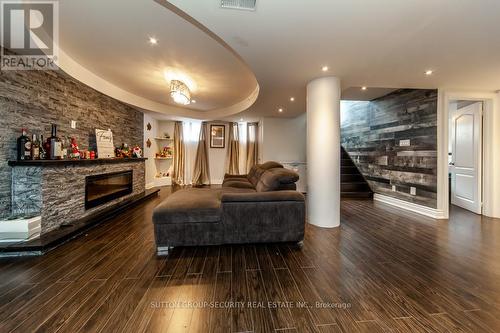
[274,196]
[197,205]
[226,190]
[273,179]
[253,174]
[236,180]
[271,165]
[257,170]
[238,184]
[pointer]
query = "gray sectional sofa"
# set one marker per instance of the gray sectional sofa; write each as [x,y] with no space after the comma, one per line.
[262,206]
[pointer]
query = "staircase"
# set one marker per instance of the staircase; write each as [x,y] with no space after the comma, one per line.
[352,183]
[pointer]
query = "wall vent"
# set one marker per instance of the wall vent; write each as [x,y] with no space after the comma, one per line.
[239,4]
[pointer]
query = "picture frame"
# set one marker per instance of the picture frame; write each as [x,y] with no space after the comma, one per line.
[217,136]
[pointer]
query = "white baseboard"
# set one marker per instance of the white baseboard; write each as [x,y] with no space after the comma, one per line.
[410,206]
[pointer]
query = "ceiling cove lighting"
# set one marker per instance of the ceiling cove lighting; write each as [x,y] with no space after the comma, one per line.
[429,72]
[324,68]
[153,41]
[180,92]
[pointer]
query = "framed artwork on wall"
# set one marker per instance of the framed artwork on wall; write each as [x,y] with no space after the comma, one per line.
[217,136]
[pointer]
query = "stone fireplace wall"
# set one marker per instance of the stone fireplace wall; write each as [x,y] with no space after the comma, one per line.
[37,99]
[57,193]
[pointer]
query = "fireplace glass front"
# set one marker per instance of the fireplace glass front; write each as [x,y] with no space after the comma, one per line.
[100,189]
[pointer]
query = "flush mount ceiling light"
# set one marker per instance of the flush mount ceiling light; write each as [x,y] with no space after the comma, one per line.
[429,72]
[324,68]
[180,92]
[170,74]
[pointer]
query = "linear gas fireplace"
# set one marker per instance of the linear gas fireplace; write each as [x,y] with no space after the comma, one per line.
[100,189]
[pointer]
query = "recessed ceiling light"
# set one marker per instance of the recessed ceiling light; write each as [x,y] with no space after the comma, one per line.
[429,72]
[324,68]
[363,88]
[153,41]
[193,101]
[280,110]
[292,99]
[241,119]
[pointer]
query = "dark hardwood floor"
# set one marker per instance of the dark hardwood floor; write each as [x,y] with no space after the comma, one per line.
[382,270]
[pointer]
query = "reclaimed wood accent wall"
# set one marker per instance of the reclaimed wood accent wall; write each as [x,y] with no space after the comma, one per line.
[372,134]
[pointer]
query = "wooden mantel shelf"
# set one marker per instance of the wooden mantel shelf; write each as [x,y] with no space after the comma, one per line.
[74,162]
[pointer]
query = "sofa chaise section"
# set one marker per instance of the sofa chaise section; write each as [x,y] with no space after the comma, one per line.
[262,206]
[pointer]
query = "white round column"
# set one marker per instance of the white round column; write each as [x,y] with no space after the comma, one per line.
[323,152]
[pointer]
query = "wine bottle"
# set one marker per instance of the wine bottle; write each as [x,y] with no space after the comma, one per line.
[64,147]
[55,151]
[23,147]
[35,148]
[43,151]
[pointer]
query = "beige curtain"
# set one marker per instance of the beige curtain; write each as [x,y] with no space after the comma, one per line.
[233,150]
[201,173]
[252,145]
[179,155]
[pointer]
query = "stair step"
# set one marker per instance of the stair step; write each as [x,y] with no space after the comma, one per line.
[354,187]
[356,194]
[351,170]
[346,163]
[346,178]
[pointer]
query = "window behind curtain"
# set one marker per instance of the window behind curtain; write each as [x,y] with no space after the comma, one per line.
[191,132]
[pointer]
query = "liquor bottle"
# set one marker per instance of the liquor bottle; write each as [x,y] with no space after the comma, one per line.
[43,151]
[23,147]
[55,148]
[64,147]
[35,148]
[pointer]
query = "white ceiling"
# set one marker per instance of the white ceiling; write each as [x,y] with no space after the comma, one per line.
[385,43]
[105,44]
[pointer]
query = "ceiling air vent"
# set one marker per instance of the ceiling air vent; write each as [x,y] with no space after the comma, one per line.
[239,4]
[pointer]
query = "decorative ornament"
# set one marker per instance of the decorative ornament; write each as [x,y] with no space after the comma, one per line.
[137,152]
[148,127]
[124,151]
[75,151]
[148,143]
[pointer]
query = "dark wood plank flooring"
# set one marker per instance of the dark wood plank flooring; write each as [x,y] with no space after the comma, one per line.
[382,270]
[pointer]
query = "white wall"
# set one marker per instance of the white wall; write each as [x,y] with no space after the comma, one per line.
[283,139]
[149,153]
[158,128]
[217,156]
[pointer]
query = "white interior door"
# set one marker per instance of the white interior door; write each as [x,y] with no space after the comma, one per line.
[466,157]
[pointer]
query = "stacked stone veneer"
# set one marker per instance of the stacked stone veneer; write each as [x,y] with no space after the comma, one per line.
[36,99]
[57,193]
